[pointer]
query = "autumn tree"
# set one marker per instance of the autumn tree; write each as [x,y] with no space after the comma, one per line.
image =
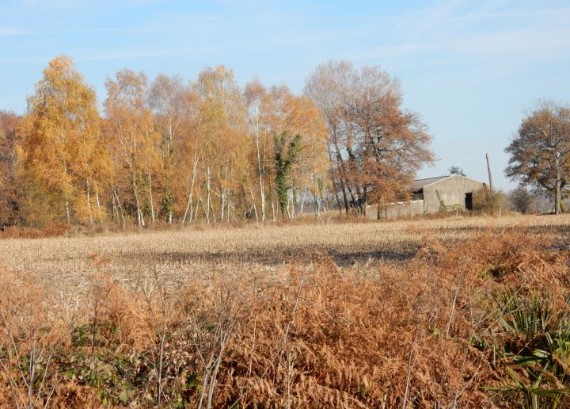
[175,111]
[328,86]
[309,172]
[257,101]
[265,107]
[222,142]
[9,123]
[60,158]
[375,146]
[276,114]
[540,152]
[134,145]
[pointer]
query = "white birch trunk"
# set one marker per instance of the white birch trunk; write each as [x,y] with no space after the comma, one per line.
[89,201]
[150,196]
[208,195]
[189,203]
[140,215]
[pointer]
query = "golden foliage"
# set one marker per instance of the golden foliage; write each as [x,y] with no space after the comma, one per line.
[61,163]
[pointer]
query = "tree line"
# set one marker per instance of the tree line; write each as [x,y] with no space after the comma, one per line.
[207,150]
[171,151]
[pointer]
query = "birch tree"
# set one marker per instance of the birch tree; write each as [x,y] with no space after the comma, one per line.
[256,100]
[309,172]
[276,119]
[59,154]
[133,142]
[223,142]
[175,110]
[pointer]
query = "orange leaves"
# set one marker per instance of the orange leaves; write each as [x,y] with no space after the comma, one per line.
[59,148]
[205,149]
[276,111]
[540,153]
[377,146]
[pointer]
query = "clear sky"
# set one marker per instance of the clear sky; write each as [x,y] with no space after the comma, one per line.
[470,68]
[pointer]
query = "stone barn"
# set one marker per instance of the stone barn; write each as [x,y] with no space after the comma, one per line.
[432,195]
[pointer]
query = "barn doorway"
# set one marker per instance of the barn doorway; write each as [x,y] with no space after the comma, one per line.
[469,201]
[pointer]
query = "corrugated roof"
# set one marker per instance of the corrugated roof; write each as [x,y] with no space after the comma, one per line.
[421,183]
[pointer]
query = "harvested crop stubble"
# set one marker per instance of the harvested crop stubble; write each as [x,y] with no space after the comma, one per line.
[72,263]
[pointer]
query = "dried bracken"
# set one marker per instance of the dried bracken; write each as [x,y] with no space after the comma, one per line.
[464,316]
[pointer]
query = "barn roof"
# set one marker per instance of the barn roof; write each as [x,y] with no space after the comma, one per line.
[421,183]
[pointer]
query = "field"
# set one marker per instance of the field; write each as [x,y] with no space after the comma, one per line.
[450,312]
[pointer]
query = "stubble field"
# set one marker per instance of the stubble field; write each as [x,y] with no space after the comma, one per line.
[73,263]
[425,313]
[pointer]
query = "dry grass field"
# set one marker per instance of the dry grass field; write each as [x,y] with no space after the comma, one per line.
[72,263]
[439,313]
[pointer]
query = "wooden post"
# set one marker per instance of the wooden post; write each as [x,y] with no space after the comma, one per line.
[489,173]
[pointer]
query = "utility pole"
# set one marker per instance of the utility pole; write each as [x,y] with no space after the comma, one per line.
[489,173]
[490,197]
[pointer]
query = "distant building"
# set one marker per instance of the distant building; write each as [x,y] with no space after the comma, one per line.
[431,195]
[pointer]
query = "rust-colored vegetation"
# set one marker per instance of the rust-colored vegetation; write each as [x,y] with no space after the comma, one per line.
[466,316]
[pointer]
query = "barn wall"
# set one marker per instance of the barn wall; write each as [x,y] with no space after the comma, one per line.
[395,210]
[452,192]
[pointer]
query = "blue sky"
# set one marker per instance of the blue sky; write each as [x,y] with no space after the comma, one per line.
[470,68]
